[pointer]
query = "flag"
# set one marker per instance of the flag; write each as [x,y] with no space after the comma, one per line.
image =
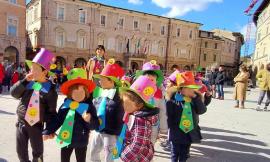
[138,45]
[127,46]
[251,6]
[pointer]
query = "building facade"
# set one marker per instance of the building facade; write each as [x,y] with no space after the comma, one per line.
[12,31]
[231,50]
[262,21]
[209,48]
[73,29]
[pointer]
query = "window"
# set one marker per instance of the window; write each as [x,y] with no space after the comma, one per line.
[204,56]
[61,13]
[60,39]
[103,20]
[119,46]
[29,17]
[215,58]
[183,51]
[36,12]
[178,32]
[149,28]
[206,44]
[82,41]
[190,34]
[12,26]
[161,51]
[162,30]
[216,45]
[135,24]
[121,23]
[177,53]
[101,41]
[82,17]
[13,1]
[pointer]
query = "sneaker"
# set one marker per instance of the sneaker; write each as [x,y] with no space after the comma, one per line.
[164,144]
[265,109]
[236,106]
[258,108]
[167,149]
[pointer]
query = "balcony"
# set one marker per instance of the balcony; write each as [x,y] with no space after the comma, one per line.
[135,55]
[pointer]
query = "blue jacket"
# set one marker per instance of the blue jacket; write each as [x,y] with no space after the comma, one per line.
[174,113]
[81,128]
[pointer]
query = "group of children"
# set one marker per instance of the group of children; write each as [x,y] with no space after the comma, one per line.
[122,115]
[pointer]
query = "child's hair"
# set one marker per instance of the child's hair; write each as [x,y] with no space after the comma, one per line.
[111,80]
[100,47]
[132,96]
[74,87]
[150,73]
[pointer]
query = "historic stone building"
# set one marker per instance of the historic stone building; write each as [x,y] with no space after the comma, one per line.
[73,28]
[261,19]
[12,31]
[209,49]
[231,50]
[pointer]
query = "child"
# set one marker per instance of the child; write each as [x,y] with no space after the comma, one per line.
[110,112]
[183,110]
[126,81]
[152,71]
[171,87]
[138,146]
[76,116]
[97,63]
[37,106]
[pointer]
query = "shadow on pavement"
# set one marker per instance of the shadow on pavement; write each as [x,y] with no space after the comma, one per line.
[226,131]
[229,148]
[6,113]
[3,160]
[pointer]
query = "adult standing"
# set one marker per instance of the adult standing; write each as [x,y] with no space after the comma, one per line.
[241,83]
[219,81]
[97,63]
[211,76]
[263,77]
[8,75]
[2,75]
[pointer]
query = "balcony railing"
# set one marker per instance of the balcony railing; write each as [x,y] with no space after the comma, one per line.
[135,55]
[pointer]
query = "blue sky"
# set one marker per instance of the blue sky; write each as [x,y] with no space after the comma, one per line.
[222,14]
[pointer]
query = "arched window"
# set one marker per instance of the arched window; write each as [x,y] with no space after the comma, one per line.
[119,44]
[102,39]
[161,49]
[81,39]
[59,37]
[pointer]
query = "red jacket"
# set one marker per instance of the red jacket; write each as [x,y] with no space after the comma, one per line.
[2,73]
[15,77]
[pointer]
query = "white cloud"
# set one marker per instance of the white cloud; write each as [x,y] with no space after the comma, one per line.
[181,7]
[243,30]
[136,2]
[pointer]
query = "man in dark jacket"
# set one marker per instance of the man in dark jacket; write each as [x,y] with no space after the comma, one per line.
[212,81]
[220,78]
